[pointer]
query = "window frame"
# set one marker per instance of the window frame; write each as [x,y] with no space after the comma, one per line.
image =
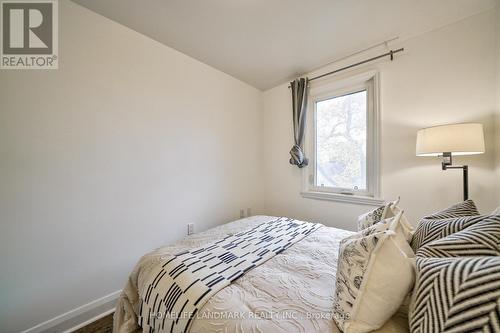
[327,89]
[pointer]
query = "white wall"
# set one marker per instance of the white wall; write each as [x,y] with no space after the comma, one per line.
[109,157]
[497,116]
[444,76]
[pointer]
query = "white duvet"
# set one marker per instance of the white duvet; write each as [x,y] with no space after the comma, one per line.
[292,292]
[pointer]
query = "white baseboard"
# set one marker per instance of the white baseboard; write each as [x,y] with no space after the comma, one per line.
[91,320]
[69,321]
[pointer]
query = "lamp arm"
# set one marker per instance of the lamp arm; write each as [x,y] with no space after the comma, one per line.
[465,169]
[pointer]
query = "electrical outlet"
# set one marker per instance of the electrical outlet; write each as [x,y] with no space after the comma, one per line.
[242,213]
[190,228]
[249,212]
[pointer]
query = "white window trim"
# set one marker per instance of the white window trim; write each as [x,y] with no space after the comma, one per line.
[325,89]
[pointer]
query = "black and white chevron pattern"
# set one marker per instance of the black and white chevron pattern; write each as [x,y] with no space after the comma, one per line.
[431,230]
[479,239]
[456,295]
[464,208]
[183,283]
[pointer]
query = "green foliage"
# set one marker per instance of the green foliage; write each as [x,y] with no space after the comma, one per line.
[341,141]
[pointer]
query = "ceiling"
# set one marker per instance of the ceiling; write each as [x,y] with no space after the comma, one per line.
[266,42]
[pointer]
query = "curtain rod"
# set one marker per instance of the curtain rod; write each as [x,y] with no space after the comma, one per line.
[390,54]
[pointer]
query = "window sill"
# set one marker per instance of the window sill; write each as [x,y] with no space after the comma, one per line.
[355,199]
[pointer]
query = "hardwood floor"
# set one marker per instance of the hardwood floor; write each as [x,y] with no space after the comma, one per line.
[103,325]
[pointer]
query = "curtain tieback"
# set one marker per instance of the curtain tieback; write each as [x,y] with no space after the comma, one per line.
[297,157]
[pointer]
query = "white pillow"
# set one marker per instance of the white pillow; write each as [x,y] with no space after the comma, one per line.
[375,274]
[374,216]
[383,213]
[402,225]
[399,224]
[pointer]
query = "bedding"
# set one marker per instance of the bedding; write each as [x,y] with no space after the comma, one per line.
[183,284]
[375,274]
[378,214]
[464,208]
[384,212]
[456,295]
[457,287]
[291,292]
[431,230]
[479,239]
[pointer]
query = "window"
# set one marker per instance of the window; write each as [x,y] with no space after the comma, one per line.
[342,140]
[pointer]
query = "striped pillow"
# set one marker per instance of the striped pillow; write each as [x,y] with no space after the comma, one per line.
[464,208]
[458,295]
[431,230]
[431,226]
[479,239]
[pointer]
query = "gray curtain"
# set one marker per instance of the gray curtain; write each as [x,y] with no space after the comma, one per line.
[299,104]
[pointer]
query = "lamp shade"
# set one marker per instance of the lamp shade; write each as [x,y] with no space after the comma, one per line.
[458,139]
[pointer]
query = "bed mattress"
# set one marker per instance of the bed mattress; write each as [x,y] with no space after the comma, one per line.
[291,292]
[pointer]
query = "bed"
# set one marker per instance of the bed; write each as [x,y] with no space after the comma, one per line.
[291,292]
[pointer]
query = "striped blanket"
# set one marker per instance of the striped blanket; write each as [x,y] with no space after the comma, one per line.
[181,285]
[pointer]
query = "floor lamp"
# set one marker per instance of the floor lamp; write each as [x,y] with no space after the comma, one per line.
[447,141]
